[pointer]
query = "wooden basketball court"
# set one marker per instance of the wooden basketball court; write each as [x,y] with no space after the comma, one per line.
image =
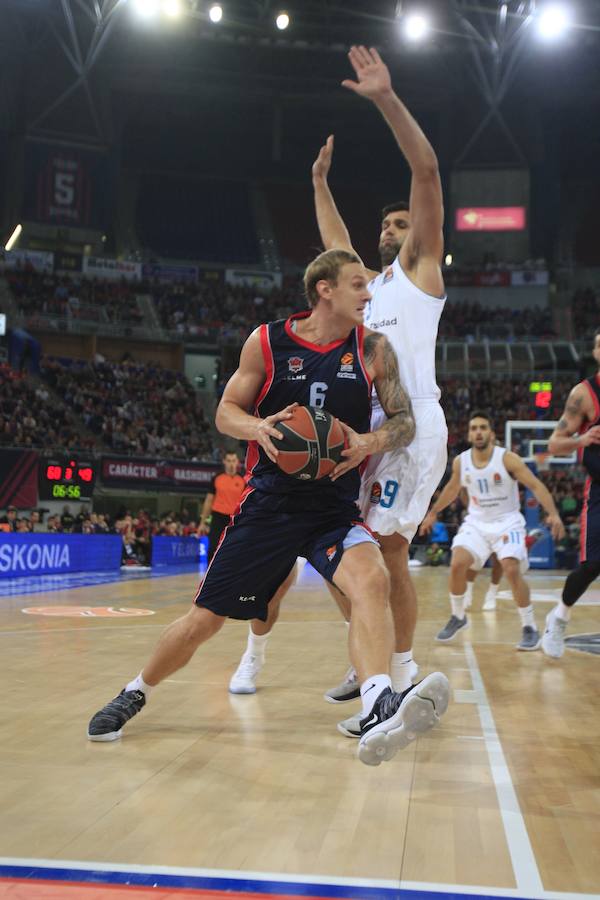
[503,798]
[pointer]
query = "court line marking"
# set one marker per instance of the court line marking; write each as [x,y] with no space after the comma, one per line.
[527,875]
[256,882]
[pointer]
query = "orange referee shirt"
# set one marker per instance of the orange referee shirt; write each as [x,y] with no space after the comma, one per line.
[228,490]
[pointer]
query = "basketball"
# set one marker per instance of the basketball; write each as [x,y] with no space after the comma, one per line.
[312,444]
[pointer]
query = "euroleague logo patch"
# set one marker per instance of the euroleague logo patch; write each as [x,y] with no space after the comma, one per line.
[497,478]
[388,275]
[295,364]
[347,366]
[330,552]
[375,493]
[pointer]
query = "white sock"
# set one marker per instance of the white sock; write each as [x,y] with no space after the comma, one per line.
[563,612]
[526,613]
[257,643]
[370,691]
[400,671]
[457,602]
[138,684]
[469,592]
[492,590]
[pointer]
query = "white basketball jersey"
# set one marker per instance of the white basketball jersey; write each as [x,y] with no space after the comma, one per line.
[409,318]
[493,492]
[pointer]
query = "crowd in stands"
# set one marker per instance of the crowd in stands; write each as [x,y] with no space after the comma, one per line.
[222,311]
[134,408]
[70,297]
[502,399]
[465,320]
[31,417]
[585,311]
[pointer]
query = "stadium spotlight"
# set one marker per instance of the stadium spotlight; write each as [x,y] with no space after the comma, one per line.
[416,26]
[146,8]
[553,20]
[215,13]
[282,21]
[13,238]
[172,8]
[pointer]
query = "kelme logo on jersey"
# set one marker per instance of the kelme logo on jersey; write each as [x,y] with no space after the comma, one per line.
[375,493]
[295,364]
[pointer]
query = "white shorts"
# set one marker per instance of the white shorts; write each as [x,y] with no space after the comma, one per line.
[397,487]
[505,538]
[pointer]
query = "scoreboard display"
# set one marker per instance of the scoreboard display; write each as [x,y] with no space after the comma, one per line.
[66,478]
[542,393]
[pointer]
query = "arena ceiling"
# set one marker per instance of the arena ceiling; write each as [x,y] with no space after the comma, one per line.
[94,71]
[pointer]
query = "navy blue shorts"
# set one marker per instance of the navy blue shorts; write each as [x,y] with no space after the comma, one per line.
[258,550]
[590,523]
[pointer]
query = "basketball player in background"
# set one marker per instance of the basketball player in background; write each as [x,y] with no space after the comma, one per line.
[221,501]
[581,414]
[491,475]
[406,304]
[281,518]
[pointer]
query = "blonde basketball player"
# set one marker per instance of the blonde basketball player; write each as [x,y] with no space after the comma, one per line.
[407,301]
[491,475]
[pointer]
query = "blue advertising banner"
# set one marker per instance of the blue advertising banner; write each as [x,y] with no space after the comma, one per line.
[56,554]
[173,551]
[540,546]
[65,184]
[169,272]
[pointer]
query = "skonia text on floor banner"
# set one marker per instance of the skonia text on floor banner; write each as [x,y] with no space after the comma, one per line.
[57,554]
[173,475]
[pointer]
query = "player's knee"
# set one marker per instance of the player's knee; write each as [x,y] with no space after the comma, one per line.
[591,568]
[372,585]
[460,563]
[201,624]
[511,569]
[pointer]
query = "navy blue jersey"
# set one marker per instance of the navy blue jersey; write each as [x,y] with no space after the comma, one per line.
[331,377]
[590,456]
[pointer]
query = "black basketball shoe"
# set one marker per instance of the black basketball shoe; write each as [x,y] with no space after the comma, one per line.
[398,719]
[107,724]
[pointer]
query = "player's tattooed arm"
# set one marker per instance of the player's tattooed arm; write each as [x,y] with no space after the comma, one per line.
[399,430]
[578,410]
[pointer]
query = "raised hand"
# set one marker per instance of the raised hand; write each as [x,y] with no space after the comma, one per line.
[322,163]
[373,75]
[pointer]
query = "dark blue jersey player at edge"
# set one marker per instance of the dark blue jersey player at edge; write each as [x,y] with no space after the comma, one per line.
[281,518]
[579,429]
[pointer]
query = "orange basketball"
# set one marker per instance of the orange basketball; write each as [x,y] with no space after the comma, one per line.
[312,443]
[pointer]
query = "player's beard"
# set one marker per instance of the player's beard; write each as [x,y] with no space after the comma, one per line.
[388,252]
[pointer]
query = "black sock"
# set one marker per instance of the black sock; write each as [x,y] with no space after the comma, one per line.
[579,580]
